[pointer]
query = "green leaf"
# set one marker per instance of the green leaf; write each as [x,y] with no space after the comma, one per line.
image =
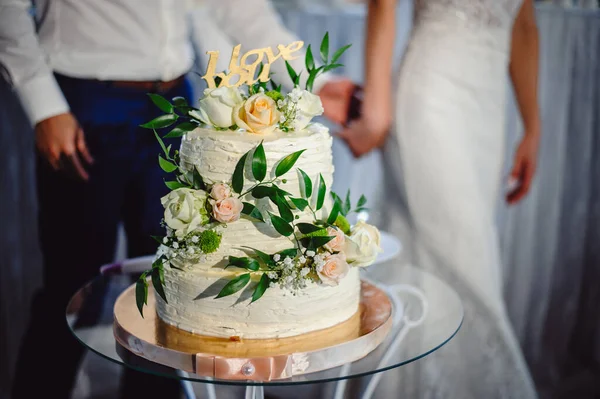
[332,66]
[162,144]
[274,85]
[165,165]
[338,200]
[198,181]
[307,228]
[321,190]
[161,121]
[315,242]
[181,129]
[162,103]
[307,189]
[309,60]
[299,203]
[244,263]
[311,78]
[339,52]
[179,101]
[291,252]
[263,191]
[261,287]
[252,211]
[218,80]
[158,281]
[361,209]
[174,185]
[141,293]
[324,50]
[237,180]
[335,211]
[361,201]
[282,227]
[347,205]
[259,163]
[297,81]
[158,239]
[291,72]
[286,163]
[284,208]
[234,285]
[266,258]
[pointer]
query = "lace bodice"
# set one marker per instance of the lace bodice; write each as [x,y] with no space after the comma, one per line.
[485,13]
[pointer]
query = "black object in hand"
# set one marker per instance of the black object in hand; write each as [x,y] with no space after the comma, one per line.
[355,105]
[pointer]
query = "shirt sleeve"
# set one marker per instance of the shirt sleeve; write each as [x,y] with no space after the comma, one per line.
[253,24]
[25,62]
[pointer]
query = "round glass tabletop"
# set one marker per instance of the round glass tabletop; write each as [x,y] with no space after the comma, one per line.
[427,314]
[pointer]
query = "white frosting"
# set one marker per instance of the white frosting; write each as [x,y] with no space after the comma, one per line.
[191,292]
[192,306]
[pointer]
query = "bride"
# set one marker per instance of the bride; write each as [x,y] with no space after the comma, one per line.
[444,157]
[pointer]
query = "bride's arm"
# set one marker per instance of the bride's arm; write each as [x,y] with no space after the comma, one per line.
[524,76]
[371,129]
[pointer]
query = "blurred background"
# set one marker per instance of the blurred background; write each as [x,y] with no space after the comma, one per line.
[550,242]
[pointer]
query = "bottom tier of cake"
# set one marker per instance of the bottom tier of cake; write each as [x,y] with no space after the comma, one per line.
[191,306]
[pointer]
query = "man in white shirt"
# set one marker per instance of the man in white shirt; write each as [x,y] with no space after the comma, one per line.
[81,70]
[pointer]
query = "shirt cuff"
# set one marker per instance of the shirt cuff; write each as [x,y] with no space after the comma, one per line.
[41,98]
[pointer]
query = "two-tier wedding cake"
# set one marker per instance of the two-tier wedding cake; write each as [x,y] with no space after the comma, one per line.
[256,245]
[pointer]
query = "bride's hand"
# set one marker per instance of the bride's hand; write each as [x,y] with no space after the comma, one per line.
[523,170]
[365,134]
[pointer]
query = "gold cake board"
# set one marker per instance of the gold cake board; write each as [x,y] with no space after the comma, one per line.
[252,359]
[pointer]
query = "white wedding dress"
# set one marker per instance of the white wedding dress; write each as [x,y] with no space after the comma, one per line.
[443,178]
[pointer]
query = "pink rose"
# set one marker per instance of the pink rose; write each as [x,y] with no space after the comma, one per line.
[227,210]
[220,191]
[333,269]
[336,244]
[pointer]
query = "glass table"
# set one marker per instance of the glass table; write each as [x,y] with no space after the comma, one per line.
[427,314]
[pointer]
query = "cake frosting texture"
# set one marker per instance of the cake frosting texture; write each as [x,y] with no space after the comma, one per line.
[191,287]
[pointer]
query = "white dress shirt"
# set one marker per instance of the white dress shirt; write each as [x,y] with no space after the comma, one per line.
[141,40]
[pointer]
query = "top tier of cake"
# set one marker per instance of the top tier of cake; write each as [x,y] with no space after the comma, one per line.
[215,155]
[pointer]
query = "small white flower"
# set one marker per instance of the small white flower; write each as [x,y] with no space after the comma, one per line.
[165,240]
[304,271]
[190,251]
[310,254]
[272,275]
[175,245]
[276,257]
[195,239]
[302,260]
[289,279]
[287,261]
[272,285]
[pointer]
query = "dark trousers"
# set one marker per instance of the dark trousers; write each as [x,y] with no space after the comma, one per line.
[78,224]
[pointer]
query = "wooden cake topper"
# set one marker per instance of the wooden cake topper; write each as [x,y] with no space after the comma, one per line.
[245,69]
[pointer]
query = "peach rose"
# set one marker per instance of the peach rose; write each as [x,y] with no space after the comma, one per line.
[227,210]
[220,191]
[337,244]
[258,114]
[333,269]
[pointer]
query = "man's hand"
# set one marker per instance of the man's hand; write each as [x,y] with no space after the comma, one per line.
[523,170]
[335,96]
[61,141]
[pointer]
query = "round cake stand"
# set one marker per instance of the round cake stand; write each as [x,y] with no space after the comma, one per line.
[427,313]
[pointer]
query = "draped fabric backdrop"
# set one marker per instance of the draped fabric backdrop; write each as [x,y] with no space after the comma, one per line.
[550,241]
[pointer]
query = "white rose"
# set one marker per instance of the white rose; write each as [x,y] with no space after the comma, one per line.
[217,105]
[333,269]
[362,245]
[309,105]
[337,243]
[220,191]
[227,210]
[185,210]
